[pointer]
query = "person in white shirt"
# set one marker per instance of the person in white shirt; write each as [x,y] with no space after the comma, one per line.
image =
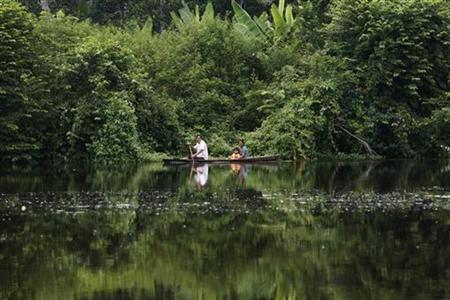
[201,176]
[201,149]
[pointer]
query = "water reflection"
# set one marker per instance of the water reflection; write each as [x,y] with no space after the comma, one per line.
[371,230]
[378,176]
[200,172]
[240,171]
[228,256]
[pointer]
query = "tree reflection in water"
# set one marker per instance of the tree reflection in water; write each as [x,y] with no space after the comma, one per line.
[279,236]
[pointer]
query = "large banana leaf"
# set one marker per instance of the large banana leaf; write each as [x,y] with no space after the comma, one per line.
[281,7]
[289,16]
[244,23]
[264,24]
[176,20]
[208,14]
[186,16]
[148,26]
[283,18]
[196,13]
[278,21]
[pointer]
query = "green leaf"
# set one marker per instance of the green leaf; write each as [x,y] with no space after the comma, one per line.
[176,20]
[278,21]
[244,23]
[281,7]
[289,16]
[208,14]
[263,23]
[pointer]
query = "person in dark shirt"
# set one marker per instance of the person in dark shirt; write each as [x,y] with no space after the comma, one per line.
[243,150]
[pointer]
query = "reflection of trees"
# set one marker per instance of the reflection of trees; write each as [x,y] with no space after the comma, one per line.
[268,254]
[42,252]
[335,176]
[230,241]
[381,176]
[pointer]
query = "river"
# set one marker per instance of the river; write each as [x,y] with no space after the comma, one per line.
[316,230]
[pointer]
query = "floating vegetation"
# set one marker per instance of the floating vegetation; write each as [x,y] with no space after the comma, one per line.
[222,202]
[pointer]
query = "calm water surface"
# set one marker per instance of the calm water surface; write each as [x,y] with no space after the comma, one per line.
[367,230]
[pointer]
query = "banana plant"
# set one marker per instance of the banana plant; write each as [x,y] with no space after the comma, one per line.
[264,24]
[283,19]
[244,24]
[185,16]
[148,26]
[262,27]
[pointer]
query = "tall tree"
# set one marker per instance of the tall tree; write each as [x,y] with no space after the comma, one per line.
[16,77]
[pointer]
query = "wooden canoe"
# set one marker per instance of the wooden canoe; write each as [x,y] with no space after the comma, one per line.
[260,159]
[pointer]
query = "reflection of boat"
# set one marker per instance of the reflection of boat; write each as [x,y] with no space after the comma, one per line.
[260,159]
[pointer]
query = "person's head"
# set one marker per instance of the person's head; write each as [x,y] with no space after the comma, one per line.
[236,150]
[198,138]
[241,142]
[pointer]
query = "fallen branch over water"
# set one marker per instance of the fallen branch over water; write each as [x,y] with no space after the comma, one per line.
[369,150]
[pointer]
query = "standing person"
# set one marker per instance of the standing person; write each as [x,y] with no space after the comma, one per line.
[243,150]
[201,149]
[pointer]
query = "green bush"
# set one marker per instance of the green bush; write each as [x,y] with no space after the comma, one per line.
[219,146]
[207,70]
[157,120]
[117,138]
[435,131]
[18,78]
[289,132]
[399,51]
[346,77]
[101,121]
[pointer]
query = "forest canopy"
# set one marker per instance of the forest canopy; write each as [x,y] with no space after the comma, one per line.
[112,81]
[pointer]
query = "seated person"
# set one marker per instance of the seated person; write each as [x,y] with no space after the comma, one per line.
[201,149]
[235,154]
[243,150]
[236,168]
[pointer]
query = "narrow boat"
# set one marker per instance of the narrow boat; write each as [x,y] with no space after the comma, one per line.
[258,159]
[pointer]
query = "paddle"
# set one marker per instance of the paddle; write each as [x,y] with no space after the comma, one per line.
[192,155]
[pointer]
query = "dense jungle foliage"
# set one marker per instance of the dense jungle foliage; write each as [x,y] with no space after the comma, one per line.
[131,80]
